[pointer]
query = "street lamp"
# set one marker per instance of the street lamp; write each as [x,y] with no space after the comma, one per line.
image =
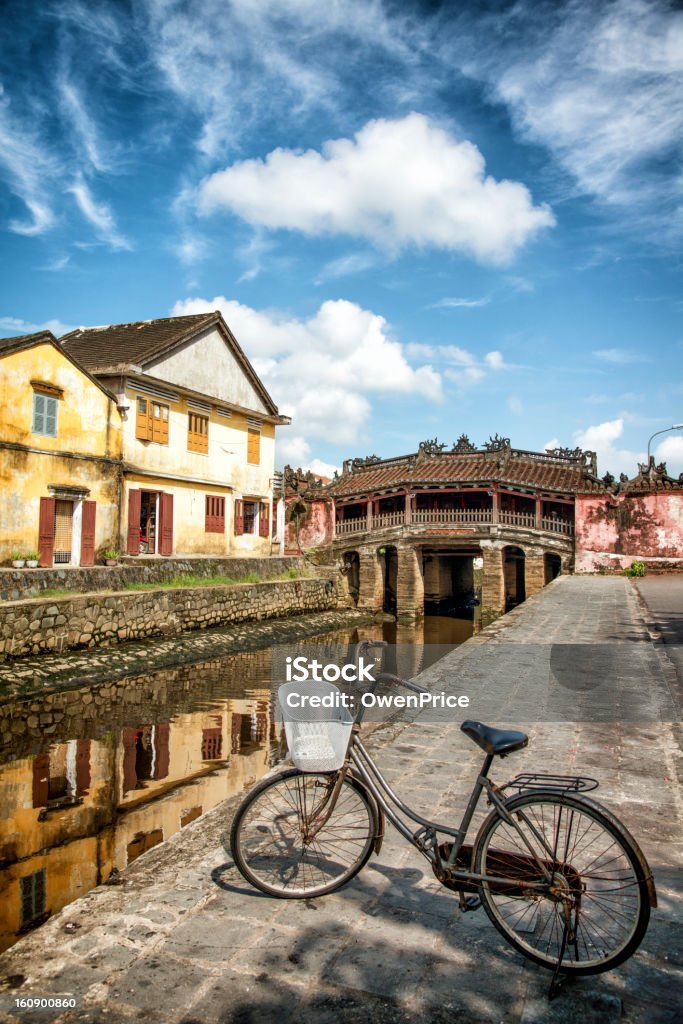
[676,426]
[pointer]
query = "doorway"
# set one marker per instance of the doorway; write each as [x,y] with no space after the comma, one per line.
[64,531]
[149,518]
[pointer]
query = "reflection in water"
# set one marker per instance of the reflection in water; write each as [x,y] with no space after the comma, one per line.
[92,778]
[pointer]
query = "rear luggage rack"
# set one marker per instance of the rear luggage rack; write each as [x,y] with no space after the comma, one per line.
[556,783]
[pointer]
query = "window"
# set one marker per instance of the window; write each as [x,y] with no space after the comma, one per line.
[44,415]
[32,896]
[215,514]
[253,446]
[151,422]
[250,514]
[197,432]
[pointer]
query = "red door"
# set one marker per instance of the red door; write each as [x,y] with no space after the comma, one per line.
[88,533]
[46,531]
[166,524]
[133,539]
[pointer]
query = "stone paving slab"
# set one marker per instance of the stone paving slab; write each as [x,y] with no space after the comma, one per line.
[186,940]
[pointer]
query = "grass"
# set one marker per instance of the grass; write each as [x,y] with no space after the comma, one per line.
[213,581]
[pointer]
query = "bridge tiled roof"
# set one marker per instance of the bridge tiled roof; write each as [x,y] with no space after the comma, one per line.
[513,467]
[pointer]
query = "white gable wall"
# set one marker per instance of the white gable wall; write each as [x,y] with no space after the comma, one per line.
[207,365]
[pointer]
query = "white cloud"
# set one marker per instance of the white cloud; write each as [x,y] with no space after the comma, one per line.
[455,303]
[601,439]
[617,355]
[324,370]
[397,184]
[85,129]
[28,167]
[670,451]
[99,215]
[600,86]
[515,405]
[12,325]
[553,443]
[354,263]
[495,360]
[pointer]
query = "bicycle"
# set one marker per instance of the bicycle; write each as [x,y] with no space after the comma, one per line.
[558,875]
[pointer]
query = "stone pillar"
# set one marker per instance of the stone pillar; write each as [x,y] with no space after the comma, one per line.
[408,509]
[368,515]
[492,581]
[410,585]
[539,516]
[371,582]
[477,582]
[534,570]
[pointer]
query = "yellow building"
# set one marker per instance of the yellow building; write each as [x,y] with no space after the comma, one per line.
[198,436]
[60,455]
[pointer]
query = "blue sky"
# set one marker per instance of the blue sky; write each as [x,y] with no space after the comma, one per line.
[419,219]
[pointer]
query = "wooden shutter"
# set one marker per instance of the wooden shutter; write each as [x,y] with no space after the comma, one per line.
[143,421]
[41,780]
[46,531]
[214,520]
[166,524]
[82,767]
[162,754]
[263,519]
[88,533]
[134,508]
[239,518]
[129,738]
[253,446]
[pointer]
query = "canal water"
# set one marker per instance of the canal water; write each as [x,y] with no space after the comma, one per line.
[92,777]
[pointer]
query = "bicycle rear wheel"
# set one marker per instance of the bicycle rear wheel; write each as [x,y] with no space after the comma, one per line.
[271,842]
[598,889]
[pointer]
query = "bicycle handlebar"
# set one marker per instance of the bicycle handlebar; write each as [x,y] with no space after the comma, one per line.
[389,677]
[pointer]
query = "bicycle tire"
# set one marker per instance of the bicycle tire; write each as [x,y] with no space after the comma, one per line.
[592,857]
[267,843]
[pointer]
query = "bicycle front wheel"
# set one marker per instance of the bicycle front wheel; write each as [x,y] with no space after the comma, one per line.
[571,882]
[276,846]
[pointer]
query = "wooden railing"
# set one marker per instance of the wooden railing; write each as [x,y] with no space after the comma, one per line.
[526,519]
[455,517]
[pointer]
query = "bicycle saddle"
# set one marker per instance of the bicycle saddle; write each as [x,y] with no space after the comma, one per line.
[494,741]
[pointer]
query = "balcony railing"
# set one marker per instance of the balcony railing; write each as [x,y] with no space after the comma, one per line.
[455,517]
[452,516]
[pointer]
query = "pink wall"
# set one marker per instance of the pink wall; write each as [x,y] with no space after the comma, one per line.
[316,531]
[613,530]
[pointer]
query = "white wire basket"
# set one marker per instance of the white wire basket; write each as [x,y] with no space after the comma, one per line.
[317,737]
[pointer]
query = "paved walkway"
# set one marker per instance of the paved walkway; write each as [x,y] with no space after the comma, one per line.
[184,940]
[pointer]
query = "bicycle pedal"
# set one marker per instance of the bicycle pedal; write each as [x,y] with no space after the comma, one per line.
[469,903]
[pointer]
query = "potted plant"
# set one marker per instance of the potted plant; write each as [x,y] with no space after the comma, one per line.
[32,559]
[111,557]
[18,560]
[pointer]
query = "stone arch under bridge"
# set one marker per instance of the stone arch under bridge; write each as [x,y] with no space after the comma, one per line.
[481,577]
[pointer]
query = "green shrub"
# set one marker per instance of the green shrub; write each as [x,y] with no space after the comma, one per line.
[635,569]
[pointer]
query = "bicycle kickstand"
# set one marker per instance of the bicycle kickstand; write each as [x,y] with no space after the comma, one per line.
[558,980]
[468,903]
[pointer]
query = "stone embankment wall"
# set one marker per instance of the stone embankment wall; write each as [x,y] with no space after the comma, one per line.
[16,584]
[91,620]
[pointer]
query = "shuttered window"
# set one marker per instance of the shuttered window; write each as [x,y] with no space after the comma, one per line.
[215,514]
[151,422]
[32,896]
[198,433]
[44,415]
[263,519]
[253,446]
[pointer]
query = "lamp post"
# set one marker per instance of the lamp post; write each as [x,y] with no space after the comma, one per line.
[676,426]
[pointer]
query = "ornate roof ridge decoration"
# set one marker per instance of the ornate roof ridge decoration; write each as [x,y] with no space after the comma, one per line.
[650,477]
[301,481]
[496,443]
[463,446]
[430,448]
